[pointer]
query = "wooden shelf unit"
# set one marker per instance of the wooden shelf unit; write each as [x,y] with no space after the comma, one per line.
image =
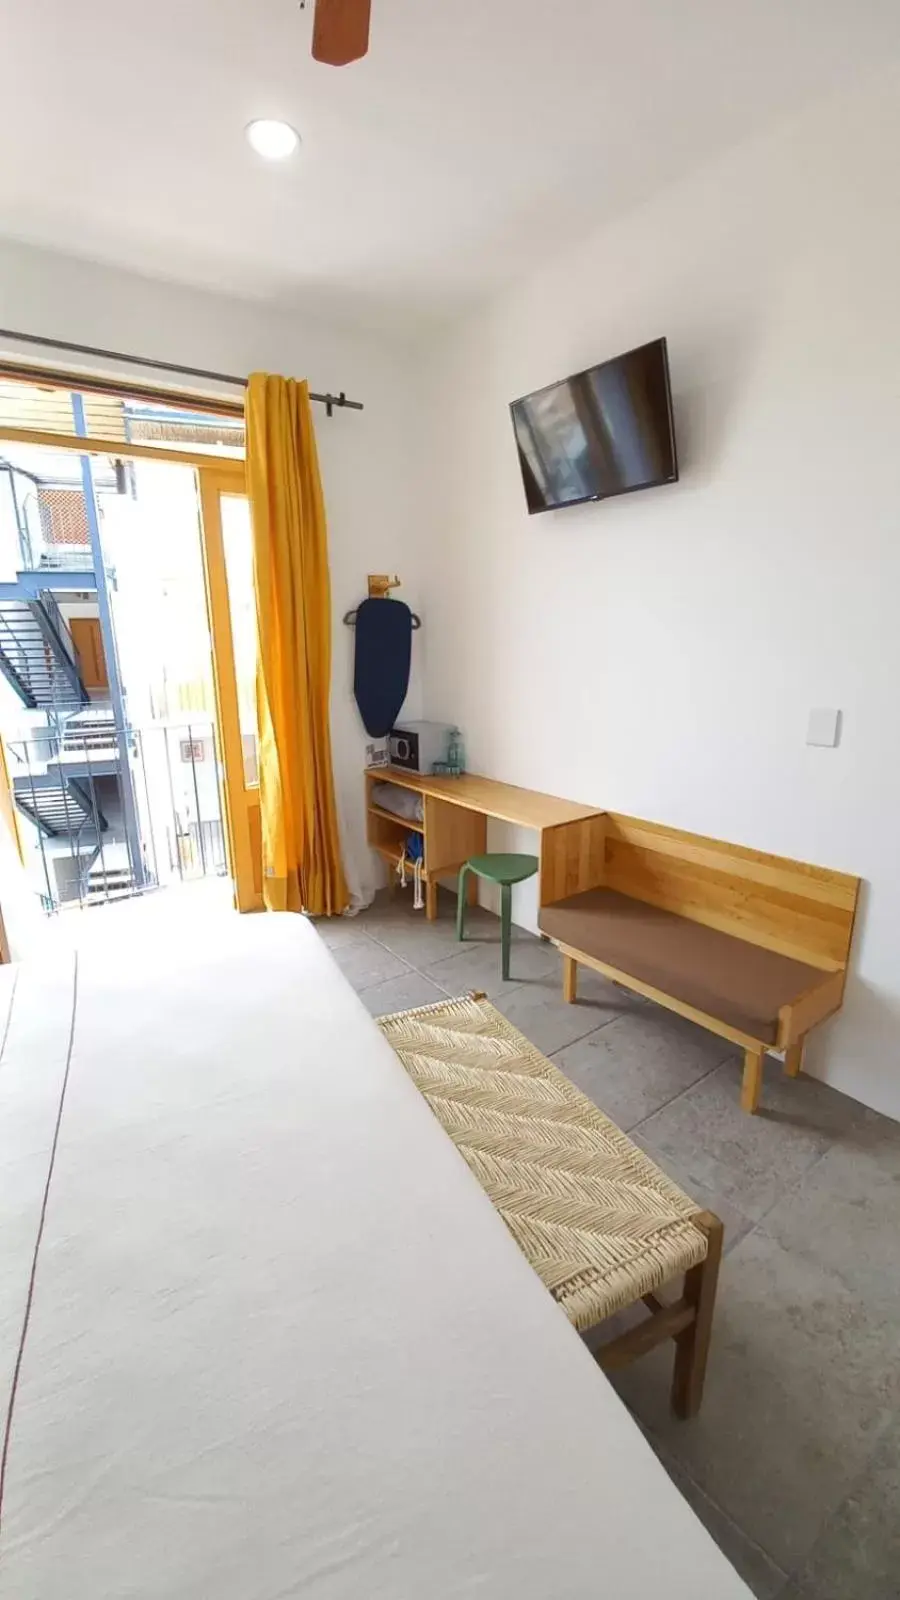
[454,827]
[450,835]
[391,816]
[386,834]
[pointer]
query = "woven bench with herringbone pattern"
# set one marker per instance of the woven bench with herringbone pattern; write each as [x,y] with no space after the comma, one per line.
[601,1224]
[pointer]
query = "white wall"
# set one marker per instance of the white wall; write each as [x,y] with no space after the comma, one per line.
[659,654]
[364,455]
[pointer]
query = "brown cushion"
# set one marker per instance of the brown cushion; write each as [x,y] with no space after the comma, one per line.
[725,977]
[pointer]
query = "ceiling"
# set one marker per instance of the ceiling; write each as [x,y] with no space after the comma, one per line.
[476,136]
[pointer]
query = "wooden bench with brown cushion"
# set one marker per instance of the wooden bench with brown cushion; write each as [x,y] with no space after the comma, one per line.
[752,946]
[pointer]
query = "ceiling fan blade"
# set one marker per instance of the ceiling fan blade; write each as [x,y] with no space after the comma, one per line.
[341,31]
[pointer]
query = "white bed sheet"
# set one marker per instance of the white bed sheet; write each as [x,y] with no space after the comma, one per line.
[280,1344]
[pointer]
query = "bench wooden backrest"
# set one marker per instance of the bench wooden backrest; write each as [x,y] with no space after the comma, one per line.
[799,910]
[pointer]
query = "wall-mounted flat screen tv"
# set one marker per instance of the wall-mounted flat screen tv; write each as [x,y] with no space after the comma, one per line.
[602,432]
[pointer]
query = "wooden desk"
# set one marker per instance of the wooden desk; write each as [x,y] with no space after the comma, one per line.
[454,827]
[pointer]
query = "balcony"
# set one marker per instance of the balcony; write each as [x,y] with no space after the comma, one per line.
[67,782]
[46,541]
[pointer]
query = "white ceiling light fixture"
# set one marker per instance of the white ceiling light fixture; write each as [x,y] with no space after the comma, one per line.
[275,141]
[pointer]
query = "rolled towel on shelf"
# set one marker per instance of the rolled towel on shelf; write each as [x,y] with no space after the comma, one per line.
[402,803]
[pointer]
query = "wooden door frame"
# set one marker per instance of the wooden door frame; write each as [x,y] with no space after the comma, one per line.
[214,476]
[240,803]
[126,450]
[8,819]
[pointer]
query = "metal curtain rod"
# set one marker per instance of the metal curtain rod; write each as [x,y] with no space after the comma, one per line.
[329,401]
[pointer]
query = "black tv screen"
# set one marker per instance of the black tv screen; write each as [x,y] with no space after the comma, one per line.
[602,432]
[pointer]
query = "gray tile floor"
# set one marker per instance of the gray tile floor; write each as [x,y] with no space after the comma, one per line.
[794,1461]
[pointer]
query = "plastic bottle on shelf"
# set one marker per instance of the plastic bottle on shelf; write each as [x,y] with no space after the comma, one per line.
[456,755]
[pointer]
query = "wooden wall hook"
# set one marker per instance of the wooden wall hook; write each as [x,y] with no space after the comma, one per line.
[380,585]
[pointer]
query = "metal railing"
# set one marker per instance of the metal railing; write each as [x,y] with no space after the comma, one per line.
[66,558]
[40,543]
[66,782]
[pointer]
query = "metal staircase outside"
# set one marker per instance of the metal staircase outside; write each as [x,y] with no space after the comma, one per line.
[67,782]
[91,732]
[61,808]
[109,875]
[34,656]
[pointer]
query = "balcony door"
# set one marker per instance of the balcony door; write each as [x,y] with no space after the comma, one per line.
[105,572]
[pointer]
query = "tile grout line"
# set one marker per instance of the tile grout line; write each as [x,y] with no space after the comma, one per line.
[794,1183]
[792,1186]
[636,1126]
[661,1452]
[409,965]
[514,989]
[579,1038]
[796,1573]
[552,1054]
[424,973]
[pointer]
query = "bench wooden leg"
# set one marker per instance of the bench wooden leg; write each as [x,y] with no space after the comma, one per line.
[793,1057]
[751,1087]
[692,1346]
[570,979]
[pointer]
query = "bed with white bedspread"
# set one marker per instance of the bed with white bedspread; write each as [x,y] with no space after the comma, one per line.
[261,1333]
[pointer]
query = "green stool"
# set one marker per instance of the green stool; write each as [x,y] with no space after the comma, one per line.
[505,870]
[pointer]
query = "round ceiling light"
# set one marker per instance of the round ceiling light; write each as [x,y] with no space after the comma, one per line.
[273,140]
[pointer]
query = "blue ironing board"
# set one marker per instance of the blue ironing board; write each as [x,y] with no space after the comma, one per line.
[381,666]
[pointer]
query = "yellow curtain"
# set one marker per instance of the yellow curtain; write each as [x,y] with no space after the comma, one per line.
[302,868]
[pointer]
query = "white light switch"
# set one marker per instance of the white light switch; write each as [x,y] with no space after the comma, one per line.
[824,727]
